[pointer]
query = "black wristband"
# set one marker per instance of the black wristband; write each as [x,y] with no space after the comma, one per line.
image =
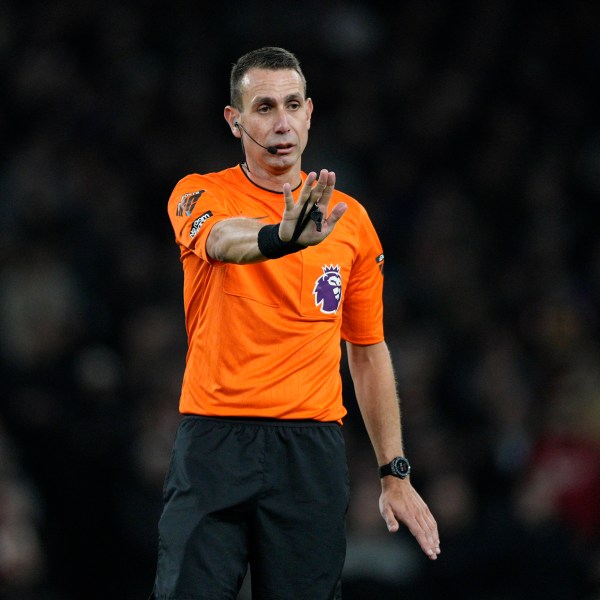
[272,246]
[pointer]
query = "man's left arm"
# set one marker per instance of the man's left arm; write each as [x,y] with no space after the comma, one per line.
[375,387]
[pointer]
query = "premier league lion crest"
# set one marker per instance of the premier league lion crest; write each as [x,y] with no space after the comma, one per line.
[328,289]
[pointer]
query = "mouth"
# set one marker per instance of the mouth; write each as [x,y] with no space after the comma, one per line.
[284,148]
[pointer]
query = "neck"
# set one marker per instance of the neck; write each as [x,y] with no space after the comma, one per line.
[272,180]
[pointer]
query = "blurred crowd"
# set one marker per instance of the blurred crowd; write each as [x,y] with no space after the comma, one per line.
[470,131]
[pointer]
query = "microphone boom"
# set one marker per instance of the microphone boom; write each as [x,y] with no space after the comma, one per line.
[269,149]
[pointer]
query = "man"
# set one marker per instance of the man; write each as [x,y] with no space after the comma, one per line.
[278,267]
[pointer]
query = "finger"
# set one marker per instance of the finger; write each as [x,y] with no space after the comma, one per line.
[432,552]
[310,179]
[289,217]
[430,549]
[424,519]
[307,188]
[329,187]
[321,186]
[427,536]
[336,213]
[288,197]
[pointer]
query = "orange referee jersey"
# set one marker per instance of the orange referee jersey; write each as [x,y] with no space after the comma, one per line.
[264,339]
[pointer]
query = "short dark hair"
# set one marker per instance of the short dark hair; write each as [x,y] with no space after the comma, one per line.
[269,57]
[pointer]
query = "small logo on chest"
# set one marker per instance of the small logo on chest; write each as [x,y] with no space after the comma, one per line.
[328,289]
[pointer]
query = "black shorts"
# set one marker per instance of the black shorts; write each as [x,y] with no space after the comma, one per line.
[269,493]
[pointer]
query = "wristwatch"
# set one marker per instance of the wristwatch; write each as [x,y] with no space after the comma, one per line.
[398,467]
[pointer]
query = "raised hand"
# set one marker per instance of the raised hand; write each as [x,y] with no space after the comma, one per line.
[317,227]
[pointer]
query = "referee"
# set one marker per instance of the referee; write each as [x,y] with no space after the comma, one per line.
[279,266]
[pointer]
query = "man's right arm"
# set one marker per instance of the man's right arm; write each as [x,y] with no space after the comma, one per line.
[235,240]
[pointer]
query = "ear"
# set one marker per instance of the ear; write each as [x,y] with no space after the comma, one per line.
[231,116]
[309,109]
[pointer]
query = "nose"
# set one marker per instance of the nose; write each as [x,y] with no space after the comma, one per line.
[282,124]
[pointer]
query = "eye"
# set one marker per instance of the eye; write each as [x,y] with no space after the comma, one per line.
[264,108]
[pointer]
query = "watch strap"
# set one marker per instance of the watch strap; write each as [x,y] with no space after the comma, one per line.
[397,467]
[385,470]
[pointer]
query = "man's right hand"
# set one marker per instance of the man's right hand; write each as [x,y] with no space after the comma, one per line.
[319,193]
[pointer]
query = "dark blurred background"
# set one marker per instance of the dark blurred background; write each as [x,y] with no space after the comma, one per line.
[471,133]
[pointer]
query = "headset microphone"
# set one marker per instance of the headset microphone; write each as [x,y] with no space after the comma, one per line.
[269,149]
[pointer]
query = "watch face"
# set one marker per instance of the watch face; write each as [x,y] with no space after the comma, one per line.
[400,467]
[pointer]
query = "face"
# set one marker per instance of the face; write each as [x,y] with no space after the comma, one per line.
[275,113]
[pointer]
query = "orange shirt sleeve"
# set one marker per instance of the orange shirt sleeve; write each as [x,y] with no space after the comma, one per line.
[195,206]
[362,321]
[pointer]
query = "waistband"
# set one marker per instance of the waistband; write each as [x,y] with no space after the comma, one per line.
[264,421]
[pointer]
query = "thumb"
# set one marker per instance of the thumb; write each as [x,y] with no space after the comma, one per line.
[336,213]
[390,520]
